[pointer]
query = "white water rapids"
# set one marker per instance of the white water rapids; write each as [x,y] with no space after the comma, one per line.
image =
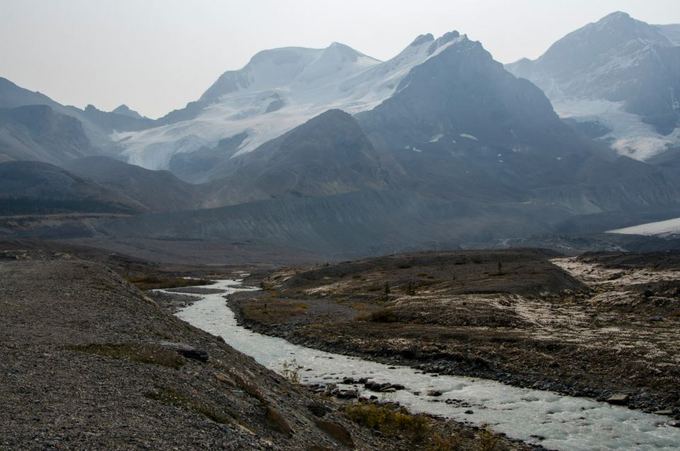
[534,416]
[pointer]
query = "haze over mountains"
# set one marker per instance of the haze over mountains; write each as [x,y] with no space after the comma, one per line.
[333,152]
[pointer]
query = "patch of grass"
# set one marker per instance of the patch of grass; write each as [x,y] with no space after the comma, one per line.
[135,352]
[389,420]
[486,440]
[422,431]
[156,282]
[172,397]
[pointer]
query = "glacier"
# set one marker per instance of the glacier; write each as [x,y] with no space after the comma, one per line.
[278,90]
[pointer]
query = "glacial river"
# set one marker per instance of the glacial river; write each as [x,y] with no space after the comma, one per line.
[534,416]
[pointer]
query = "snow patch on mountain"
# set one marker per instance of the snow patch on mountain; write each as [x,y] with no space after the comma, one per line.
[628,135]
[278,90]
[660,228]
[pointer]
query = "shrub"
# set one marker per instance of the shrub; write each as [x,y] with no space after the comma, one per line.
[383,316]
[291,371]
[389,420]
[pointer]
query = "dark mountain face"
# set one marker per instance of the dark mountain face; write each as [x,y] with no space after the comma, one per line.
[462,91]
[155,190]
[460,123]
[618,59]
[326,156]
[28,187]
[38,133]
[207,163]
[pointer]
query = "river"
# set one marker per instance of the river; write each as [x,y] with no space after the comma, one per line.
[534,416]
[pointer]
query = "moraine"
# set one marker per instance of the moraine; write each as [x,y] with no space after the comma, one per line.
[538,417]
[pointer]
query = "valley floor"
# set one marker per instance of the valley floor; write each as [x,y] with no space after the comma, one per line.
[601,326]
[90,362]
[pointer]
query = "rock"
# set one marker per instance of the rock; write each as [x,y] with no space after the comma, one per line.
[618,399]
[318,409]
[656,318]
[377,387]
[434,393]
[469,412]
[345,394]
[186,350]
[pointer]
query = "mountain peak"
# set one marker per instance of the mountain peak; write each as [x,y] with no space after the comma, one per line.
[616,16]
[421,39]
[342,51]
[445,39]
[126,111]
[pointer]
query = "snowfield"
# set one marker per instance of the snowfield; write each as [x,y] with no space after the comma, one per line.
[661,228]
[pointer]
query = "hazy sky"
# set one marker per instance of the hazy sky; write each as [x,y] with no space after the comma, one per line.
[156,55]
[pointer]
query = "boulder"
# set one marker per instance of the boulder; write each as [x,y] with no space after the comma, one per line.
[618,399]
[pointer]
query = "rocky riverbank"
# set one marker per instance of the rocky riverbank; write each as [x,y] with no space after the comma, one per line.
[515,317]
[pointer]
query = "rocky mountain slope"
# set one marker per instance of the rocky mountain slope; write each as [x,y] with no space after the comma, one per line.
[155,190]
[327,155]
[38,133]
[28,187]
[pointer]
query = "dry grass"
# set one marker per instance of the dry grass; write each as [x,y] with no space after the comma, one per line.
[272,310]
[135,352]
[389,420]
[421,431]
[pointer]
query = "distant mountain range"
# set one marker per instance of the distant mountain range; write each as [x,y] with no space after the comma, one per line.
[334,153]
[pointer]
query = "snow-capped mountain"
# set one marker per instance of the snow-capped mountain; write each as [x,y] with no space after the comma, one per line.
[276,91]
[621,73]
